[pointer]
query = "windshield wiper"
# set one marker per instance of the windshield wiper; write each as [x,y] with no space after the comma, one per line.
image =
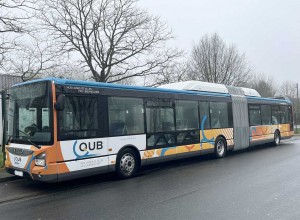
[37,146]
[9,139]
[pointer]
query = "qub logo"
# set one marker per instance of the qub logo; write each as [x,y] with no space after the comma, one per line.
[84,149]
[17,160]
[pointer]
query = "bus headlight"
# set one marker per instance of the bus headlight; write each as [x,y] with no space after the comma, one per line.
[40,160]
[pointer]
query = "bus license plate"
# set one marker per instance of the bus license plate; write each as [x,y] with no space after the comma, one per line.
[18,173]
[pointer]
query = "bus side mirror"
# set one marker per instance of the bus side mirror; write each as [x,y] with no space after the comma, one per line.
[60,102]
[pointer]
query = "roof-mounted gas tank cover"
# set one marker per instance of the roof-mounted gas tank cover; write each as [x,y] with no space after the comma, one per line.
[197,86]
[207,87]
[250,92]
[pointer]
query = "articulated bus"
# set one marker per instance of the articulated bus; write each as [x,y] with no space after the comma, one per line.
[64,129]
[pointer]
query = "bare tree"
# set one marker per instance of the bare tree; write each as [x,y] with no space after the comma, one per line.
[115,39]
[288,88]
[214,61]
[13,16]
[67,71]
[265,86]
[175,72]
[24,50]
[33,58]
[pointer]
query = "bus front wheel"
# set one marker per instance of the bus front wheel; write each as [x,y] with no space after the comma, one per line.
[220,148]
[127,163]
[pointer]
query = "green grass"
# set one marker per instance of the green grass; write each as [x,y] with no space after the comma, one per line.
[297,131]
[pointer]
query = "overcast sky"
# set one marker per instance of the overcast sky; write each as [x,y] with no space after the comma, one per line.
[268,31]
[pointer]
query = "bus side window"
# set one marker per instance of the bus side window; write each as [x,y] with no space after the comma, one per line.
[275,115]
[204,115]
[78,120]
[255,115]
[187,115]
[219,115]
[187,122]
[266,114]
[126,116]
[160,123]
[284,114]
[160,120]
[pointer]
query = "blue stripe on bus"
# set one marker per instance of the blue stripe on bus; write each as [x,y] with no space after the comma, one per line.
[119,86]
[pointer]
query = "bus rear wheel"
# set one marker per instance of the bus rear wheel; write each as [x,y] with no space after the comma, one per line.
[220,148]
[276,141]
[127,163]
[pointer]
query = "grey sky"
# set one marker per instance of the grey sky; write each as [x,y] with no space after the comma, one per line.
[268,31]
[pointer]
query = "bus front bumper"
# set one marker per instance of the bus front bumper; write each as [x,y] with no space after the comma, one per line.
[37,177]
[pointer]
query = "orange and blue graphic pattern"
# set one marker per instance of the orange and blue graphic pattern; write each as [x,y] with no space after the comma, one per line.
[208,137]
[266,132]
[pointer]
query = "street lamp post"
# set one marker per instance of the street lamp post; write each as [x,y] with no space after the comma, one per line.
[297,105]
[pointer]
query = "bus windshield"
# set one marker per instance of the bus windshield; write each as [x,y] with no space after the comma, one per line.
[30,115]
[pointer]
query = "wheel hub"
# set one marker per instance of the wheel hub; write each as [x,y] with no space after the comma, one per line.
[277,138]
[127,163]
[220,148]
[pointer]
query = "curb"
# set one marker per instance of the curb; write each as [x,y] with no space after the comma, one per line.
[7,177]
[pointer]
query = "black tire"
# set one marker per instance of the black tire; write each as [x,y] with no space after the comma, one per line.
[277,138]
[220,148]
[127,163]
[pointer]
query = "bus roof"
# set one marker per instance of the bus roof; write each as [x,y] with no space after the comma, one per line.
[59,81]
[274,100]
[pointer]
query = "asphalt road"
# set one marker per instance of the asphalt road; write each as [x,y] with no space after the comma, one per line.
[260,183]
